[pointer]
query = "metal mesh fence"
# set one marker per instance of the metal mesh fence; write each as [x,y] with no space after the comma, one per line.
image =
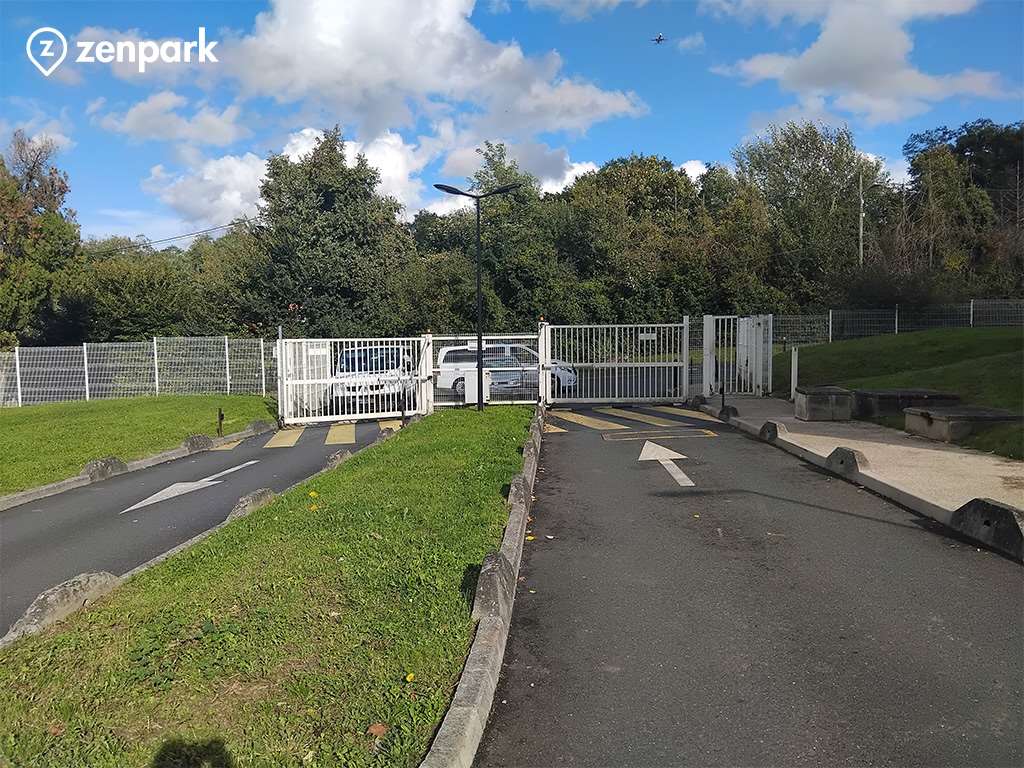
[997,312]
[129,369]
[801,329]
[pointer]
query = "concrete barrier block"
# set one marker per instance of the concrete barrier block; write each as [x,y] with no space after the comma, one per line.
[728,412]
[846,461]
[258,498]
[101,469]
[338,458]
[991,522]
[772,430]
[823,404]
[59,602]
[259,426]
[197,443]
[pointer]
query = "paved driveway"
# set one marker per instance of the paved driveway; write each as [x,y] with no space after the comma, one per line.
[766,615]
[122,522]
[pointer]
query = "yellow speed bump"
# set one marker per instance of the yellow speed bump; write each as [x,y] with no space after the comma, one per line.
[686,412]
[637,416]
[341,434]
[284,438]
[586,421]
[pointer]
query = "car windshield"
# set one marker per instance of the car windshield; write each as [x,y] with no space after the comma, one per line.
[375,360]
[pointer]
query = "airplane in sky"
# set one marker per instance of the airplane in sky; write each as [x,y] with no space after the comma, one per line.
[659,39]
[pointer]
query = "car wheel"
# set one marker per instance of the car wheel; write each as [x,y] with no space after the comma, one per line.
[459,388]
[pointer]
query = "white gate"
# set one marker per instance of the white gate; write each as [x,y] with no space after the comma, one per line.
[737,355]
[322,380]
[615,363]
[512,359]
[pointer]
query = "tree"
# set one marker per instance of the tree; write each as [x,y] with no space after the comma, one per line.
[333,250]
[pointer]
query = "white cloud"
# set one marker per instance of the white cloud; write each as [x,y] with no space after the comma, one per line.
[693,168]
[573,172]
[860,62]
[37,123]
[448,204]
[692,43]
[435,60]
[217,192]
[95,105]
[157,117]
[579,9]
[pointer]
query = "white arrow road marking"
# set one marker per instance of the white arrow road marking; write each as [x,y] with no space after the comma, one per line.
[179,489]
[666,457]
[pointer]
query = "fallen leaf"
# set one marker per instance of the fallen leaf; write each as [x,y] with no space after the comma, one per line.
[377,730]
[530,538]
[410,677]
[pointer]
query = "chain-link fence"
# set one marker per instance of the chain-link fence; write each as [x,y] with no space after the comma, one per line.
[179,366]
[839,324]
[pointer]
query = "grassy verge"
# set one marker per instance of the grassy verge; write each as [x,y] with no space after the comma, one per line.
[284,636]
[985,366]
[44,443]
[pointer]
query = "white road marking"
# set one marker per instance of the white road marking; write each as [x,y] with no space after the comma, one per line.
[179,489]
[666,457]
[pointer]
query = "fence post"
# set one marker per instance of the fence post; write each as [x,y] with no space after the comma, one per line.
[972,313]
[686,357]
[426,375]
[156,369]
[85,369]
[897,327]
[708,362]
[280,374]
[227,365]
[17,372]
[830,326]
[794,372]
[263,370]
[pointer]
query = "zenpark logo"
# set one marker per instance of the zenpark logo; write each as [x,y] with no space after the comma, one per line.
[47,48]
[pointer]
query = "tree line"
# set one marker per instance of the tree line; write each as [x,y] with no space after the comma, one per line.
[635,241]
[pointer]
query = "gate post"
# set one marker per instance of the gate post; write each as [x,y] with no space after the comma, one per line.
[17,372]
[708,375]
[686,358]
[425,404]
[85,370]
[544,362]
[281,415]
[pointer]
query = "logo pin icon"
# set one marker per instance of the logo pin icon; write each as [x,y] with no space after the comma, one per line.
[49,58]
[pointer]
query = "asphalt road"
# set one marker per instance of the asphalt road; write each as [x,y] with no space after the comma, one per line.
[46,542]
[770,615]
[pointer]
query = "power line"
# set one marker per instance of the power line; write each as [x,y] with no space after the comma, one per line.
[151,243]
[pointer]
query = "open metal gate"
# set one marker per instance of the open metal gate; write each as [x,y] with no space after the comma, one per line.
[737,355]
[615,363]
[323,380]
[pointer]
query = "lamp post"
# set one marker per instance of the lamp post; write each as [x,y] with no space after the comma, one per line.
[479,290]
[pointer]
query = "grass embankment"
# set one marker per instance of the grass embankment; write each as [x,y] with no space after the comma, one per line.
[283,637]
[40,444]
[985,366]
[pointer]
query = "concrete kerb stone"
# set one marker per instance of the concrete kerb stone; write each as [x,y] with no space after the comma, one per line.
[102,469]
[968,522]
[250,501]
[459,735]
[993,523]
[57,603]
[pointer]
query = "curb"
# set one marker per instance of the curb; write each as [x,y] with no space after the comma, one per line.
[994,524]
[459,735]
[101,469]
[97,585]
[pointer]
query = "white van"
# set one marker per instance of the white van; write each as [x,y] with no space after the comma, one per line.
[454,363]
[381,377]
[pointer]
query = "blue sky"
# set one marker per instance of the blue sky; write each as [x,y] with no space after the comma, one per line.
[567,84]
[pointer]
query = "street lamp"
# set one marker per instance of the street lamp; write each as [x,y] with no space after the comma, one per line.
[479,290]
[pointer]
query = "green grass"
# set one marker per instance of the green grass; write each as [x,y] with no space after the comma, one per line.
[286,634]
[985,366]
[44,443]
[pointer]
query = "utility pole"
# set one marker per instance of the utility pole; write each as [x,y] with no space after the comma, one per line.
[860,190]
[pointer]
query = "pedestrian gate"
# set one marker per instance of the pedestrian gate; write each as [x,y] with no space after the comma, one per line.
[737,355]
